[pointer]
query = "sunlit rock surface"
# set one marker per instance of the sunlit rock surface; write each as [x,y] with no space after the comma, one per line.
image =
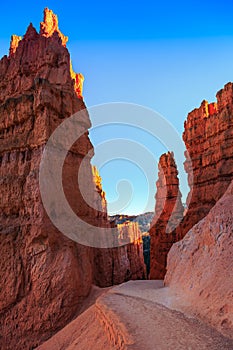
[168,213]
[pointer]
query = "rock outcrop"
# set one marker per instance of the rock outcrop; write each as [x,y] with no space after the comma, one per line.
[120,264]
[50,26]
[200,267]
[168,213]
[208,137]
[44,276]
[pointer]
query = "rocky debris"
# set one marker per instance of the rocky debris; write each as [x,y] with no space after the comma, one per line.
[168,213]
[44,276]
[200,267]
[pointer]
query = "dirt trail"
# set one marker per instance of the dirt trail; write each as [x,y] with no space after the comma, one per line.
[139,315]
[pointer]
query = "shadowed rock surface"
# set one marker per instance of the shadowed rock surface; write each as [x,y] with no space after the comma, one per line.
[200,267]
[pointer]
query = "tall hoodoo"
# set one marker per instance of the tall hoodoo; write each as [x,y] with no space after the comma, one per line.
[168,213]
[41,271]
[44,276]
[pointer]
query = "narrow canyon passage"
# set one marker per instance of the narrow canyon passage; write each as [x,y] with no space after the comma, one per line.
[139,315]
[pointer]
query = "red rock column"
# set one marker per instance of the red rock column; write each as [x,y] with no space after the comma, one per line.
[44,276]
[168,212]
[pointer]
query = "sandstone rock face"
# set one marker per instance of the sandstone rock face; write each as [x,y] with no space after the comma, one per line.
[44,276]
[201,266]
[168,213]
[120,264]
[208,137]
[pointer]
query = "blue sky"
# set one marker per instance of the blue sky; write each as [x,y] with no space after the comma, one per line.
[168,56]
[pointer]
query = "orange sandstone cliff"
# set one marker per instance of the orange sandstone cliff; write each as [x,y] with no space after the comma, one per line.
[44,276]
[208,136]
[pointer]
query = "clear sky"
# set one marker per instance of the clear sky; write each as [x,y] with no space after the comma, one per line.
[166,55]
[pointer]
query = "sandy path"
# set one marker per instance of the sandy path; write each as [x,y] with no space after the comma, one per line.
[137,315]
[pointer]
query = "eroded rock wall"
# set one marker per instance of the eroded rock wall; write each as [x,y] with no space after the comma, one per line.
[208,137]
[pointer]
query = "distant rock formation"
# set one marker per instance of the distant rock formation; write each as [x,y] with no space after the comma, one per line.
[200,267]
[168,213]
[120,264]
[44,276]
[143,220]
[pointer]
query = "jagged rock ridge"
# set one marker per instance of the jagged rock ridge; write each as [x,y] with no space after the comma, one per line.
[208,138]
